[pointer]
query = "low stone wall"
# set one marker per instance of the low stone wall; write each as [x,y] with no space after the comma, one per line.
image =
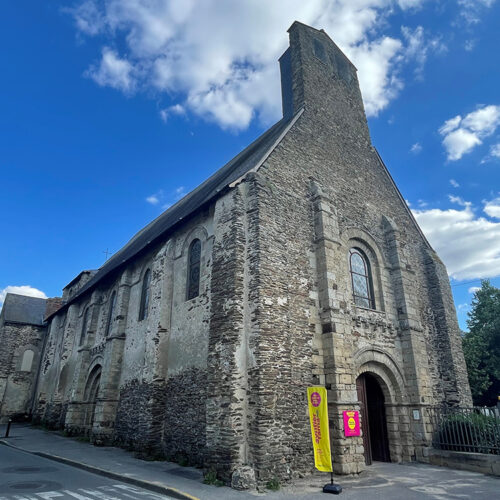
[475,462]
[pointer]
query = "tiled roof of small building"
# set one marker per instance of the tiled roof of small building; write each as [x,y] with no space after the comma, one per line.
[24,309]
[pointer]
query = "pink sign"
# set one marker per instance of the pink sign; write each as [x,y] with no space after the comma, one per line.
[351,423]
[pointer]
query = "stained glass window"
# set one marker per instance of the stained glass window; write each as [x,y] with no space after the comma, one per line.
[361,279]
[143,309]
[193,278]
[111,312]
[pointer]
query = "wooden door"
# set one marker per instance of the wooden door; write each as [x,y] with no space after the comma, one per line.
[365,425]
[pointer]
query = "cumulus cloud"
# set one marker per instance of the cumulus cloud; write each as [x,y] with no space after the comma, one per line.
[468,244]
[21,290]
[492,208]
[176,109]
[474,289]
[454,183]
[218,58]
[462,135]
[113,71]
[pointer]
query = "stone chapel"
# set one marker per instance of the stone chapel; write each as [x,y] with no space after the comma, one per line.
[298,263]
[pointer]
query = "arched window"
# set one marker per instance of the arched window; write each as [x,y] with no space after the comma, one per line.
[85,322]
[110,313]
[361,279]
[143,308]
[193,278]
[27,361]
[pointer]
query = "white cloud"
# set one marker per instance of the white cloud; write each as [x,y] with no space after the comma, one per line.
[21,290]
[416,148]
[469,45]
[153,199]
[462,135]
[167,199]
[176,109]
[492,208]
[474,289]
[218,58]
[495,150]
[471,10]
[467,244]
[454,183]
[418,47]
[458,200]
[113,72]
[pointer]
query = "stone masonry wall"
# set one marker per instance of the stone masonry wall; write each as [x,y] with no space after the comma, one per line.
[17,386]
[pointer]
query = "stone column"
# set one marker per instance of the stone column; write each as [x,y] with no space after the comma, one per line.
[75,417]
[227,404]
[414,350]
[337,366]
[455,381]
[108,398]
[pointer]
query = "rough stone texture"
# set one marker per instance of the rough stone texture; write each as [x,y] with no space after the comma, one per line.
[243,478]
[19,342]
[475,462]
[139,416]
[184,417]
[220,380]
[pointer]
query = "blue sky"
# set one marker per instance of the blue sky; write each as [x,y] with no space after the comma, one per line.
[111,110]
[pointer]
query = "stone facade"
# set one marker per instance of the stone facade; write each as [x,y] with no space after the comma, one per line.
[22,333]
[220,380]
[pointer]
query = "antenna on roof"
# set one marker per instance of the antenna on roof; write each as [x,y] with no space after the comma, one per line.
[107,252]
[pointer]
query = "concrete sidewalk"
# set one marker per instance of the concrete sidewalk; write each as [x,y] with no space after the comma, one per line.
[382,481]
[160,476]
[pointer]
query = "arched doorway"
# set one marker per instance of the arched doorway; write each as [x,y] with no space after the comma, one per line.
[373,418]
[90,395]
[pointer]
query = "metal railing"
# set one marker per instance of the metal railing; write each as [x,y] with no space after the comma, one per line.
[475,429]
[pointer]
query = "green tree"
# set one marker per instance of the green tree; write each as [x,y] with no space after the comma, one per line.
[481,345]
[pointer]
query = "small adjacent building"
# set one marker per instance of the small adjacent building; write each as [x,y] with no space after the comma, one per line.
[22,333]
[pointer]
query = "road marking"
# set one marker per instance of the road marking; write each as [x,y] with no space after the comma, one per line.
[114,492]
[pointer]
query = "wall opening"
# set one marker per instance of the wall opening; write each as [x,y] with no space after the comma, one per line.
[91,393]
[373,419]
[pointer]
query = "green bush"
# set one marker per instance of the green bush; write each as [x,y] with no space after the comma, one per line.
[473,432]
[273,484]
[211,478]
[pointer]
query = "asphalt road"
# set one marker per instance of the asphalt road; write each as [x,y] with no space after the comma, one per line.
[27,477]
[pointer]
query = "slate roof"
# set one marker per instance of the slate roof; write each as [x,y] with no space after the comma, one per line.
[250,158]
[24,309]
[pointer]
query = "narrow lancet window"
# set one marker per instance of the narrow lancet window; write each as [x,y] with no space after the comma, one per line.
[111,313]
[193,278]
[361,279]
[143,308]
[85,321]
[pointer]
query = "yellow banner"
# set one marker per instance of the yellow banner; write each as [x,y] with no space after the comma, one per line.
[318,414]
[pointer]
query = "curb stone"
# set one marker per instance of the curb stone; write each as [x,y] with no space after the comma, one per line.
[148,485]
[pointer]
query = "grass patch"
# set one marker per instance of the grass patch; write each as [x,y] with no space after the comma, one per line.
[273,484]
[211,478]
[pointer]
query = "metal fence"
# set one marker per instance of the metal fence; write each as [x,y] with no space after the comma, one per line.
[473,429]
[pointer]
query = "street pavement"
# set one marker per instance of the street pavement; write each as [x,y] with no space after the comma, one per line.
[115,466]
[28,477]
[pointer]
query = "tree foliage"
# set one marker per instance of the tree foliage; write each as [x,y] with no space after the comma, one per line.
[481,345]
